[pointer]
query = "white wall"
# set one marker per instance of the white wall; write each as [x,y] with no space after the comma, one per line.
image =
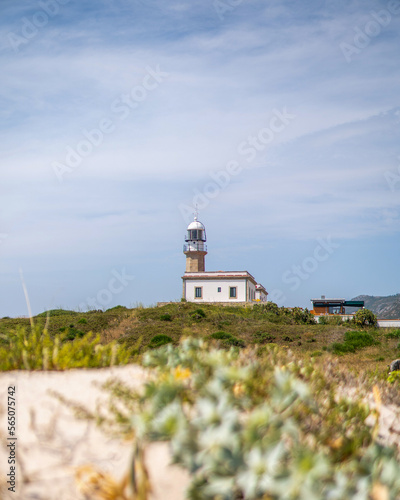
[251,292]
[389,323]
[261,296]
[210,290]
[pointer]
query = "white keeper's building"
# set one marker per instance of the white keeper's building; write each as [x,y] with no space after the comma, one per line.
[214,286]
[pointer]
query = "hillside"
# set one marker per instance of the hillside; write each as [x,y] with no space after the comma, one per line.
[384,307]
[142,329]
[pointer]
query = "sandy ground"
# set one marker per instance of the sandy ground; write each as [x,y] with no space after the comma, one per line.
[52,443]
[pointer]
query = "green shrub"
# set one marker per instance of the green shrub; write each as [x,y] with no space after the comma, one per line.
[56,312]
[316,354]
[365,317]
[160,340]
[36,350]
[73,333]
[165,317]
[117,308]
[360,339]
[263,338]
[83,321]
[394,377]
[353,341]
[227,339]
[198,314]
[302,316]
[341,348]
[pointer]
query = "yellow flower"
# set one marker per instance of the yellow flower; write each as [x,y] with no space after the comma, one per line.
[238,389]
[181,373]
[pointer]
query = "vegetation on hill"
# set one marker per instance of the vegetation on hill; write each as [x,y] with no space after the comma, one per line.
[384,307]
[141,329]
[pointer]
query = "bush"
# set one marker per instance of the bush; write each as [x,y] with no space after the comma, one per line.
[117,308]
[55,312]
[303,316]
[159,340]
[394,377]
[221,335]
[341,348]
[315,354]
[198,314]
[72,333]
[365,317]
[82,321]
[227,339]
[263,338]
[268,307]
[165,317]
[36,350]
[360,339]
[353,341]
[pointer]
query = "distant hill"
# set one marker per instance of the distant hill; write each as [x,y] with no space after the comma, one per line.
[384,307]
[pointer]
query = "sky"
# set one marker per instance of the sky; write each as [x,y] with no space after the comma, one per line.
[280,120]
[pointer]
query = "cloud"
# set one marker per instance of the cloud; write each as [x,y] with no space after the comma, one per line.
[225,81]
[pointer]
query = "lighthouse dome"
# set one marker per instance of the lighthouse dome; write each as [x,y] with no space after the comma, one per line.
[196,231]
[196,225]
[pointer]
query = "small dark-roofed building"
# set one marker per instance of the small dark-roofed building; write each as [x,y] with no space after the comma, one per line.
[334,306]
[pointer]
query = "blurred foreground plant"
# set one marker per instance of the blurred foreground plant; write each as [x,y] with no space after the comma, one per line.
[257,428]
[37,350]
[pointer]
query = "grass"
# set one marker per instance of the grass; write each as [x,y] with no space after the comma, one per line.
[368,350]
[35,349]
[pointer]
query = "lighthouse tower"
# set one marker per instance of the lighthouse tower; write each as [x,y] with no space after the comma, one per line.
[194,247]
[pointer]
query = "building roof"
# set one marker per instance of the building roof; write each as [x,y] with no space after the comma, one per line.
[214,275]
[344,302]
[328,300]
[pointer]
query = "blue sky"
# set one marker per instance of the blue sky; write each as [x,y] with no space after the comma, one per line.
[281,119]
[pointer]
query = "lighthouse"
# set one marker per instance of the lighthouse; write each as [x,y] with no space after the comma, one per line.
[195,248]
[226,287]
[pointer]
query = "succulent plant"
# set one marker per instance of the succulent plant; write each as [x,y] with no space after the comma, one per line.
[260,428]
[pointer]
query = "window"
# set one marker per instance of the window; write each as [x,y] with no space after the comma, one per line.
[198,292]
[219,289]
[232,292]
